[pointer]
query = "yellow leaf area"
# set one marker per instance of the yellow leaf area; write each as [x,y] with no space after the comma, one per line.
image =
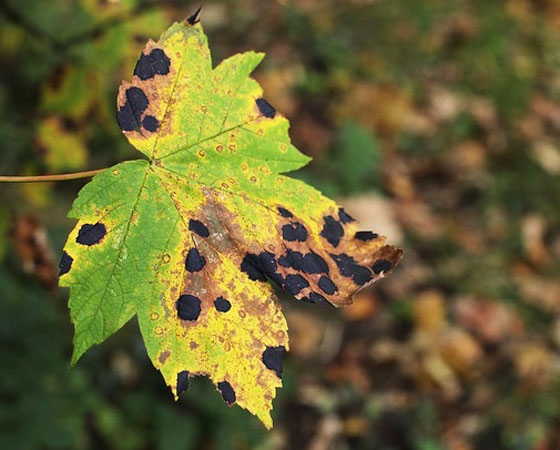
[191,239]
[61,149]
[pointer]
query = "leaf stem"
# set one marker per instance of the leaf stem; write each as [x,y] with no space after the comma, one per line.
[45,178]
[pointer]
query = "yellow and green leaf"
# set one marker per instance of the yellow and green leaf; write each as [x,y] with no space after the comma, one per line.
[190,239]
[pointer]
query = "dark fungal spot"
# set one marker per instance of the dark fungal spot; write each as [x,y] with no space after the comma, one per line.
[344,263]
[268,266]
[91,234]
[150,123]
[195,261]
[381,265]
[258,267]
[294,231]
[366,236]
[265,108]
[182,381]
[188,307]
[65,264]
[332,231]
[313,263]
[316,299]
[251,266]
[284,212]
[344,217]
[194,18]
[287,259]
[199,228]
[272,359]
[129,114]
[361,275]
[327,285]
[222,305]
[308,263]
[348,268]
[228,394]
[152,64]
[294,284]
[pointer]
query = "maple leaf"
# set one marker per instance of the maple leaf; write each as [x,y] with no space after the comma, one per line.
[189,238]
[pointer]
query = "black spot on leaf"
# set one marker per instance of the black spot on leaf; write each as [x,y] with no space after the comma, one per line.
[195,261]
[152,64]
[222,305]
[265,108]
[309,263]
[182,381]
[348,268]
[258,267]
[366,236]
[316,299]
[228,394]
[251,266]
[129,115]
[284,212]
[199,228]
[361,275]
[91,234]
[294,284]
[327,285]
[150,123]
[381,265]
[313,263]
[188,307]
[332,231]
[65,263]
[272,359]
[294,231]
[268,266]
[344,264]
[344,217]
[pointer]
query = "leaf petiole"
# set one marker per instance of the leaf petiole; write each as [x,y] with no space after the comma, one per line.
[47,178]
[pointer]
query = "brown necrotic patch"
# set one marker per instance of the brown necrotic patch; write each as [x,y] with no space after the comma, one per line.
[163,356]
[91,234]
[228,394]
[188,307]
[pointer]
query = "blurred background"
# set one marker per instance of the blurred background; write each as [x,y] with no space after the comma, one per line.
[434,122]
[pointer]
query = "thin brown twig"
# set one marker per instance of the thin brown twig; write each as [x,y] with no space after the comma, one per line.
[46,178]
